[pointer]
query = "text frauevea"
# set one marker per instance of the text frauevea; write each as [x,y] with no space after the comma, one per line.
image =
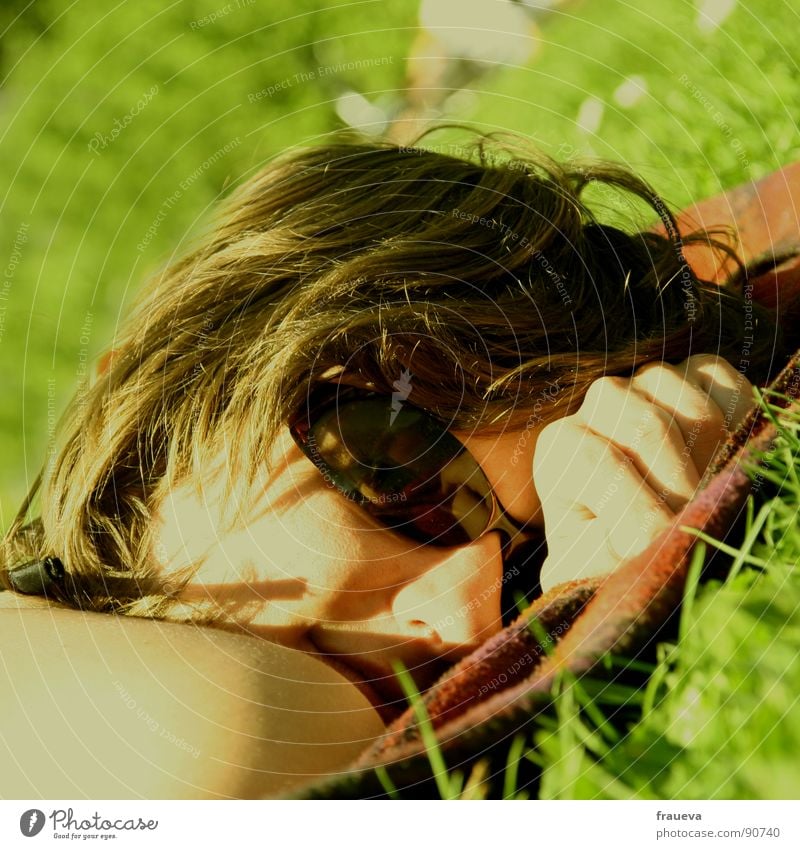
[662,815]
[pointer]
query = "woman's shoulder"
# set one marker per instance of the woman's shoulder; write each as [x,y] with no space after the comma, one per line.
[15,601]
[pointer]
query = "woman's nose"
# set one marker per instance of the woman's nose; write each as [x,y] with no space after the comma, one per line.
[456,601]
[431,619]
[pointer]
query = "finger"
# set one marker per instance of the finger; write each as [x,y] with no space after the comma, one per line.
[647,433]
[585,555]
[595,549]
[597,509]
[581,476]
[730,389]
[696,412]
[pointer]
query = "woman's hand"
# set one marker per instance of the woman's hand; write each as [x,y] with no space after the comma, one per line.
[613,475]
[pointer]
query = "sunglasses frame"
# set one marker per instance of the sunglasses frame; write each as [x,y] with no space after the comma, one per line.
[320,401]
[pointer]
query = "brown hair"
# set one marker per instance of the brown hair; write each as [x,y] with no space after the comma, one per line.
[485,275]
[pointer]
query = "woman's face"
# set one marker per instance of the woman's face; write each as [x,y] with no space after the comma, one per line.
[305,567]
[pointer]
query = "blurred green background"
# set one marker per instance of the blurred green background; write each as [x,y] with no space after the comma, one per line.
[123,123]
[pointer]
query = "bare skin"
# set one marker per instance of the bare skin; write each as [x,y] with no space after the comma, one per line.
[615,473]
[328,600]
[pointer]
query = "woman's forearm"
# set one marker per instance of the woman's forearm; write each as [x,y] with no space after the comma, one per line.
[113,707]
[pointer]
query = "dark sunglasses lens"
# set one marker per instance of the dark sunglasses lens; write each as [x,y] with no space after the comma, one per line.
[404,468]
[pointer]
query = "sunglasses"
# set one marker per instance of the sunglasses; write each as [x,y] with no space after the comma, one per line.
[405,469]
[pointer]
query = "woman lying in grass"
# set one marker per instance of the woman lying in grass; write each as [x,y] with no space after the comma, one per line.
[345,424]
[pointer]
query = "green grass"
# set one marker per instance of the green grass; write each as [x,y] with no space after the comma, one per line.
[716,108]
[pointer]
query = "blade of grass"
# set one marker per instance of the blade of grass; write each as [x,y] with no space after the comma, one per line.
[449,787]
[511,772]
[727,549]
[690,590]
[386,782]
[754,527]
[476,785]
